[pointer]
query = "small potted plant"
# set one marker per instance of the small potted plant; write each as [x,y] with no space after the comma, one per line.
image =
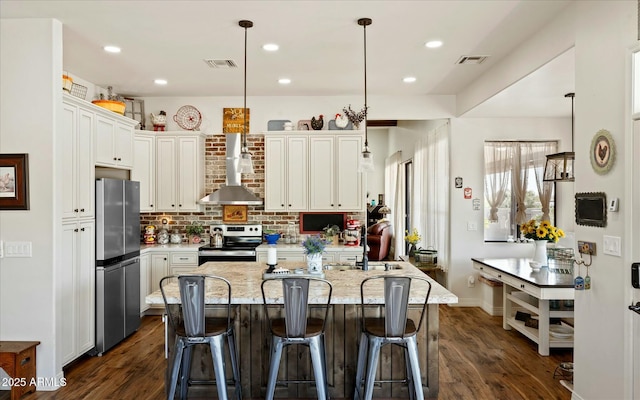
[314,247]
[331,232]
[194,231]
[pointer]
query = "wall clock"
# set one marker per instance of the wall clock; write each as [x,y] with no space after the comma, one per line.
[603,152]
[188,117]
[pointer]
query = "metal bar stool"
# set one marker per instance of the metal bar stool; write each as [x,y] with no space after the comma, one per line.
[393,328]
[193,327]
[297,327]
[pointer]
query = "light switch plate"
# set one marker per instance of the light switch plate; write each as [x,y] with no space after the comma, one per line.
[17,249]
[472,226]
[612,245]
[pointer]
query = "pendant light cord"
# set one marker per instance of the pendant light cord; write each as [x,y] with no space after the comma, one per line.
[364,22]
[245,24]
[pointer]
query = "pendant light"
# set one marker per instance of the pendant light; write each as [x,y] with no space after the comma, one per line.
[245,165]
[366,157]
[559,166]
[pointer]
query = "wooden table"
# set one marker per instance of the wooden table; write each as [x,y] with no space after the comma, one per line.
[253,337]
[18,360]
[532,291]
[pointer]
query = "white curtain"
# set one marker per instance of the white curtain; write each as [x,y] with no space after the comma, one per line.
[430,213]
[537,153]
[520,178]
[394,197]
[497,158]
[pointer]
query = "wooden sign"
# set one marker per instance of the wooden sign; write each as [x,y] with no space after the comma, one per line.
[234,213]
[232,119]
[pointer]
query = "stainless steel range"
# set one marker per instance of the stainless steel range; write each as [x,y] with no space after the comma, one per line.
[239,243]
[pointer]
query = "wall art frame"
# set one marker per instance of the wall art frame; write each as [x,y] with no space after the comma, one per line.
[14,181]
[602,152]
[234,213]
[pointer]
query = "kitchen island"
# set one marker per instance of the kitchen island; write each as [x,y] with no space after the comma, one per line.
[343,329]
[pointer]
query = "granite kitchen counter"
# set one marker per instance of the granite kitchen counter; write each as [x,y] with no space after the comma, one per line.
[246,278]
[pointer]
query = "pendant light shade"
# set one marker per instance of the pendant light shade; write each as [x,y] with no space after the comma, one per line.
[245,164]
[366,157]
[559,166]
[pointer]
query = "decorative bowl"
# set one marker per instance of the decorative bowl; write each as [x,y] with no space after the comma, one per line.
[272,238]
[535,265]
[112,105]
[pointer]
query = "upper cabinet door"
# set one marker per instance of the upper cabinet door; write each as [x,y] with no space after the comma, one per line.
[143,170]
[297,182]
[321,173]
[189,173]
[349,180]
[275,162]
[166,176]
[124,145]
[105,141]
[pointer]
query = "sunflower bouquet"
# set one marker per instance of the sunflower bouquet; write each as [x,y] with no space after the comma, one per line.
[541,231]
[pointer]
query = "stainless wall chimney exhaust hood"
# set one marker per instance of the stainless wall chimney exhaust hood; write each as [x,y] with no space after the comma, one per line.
[233,192]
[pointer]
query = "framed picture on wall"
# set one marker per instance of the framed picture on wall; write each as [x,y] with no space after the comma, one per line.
[233,213]
[14,181]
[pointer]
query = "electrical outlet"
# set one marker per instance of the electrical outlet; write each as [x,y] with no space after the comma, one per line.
[586,247]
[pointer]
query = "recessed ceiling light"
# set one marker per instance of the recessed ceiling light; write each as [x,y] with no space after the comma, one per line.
[270,47]
[160,81]
[284,81]
[433,44]
[112,49]
[409,79]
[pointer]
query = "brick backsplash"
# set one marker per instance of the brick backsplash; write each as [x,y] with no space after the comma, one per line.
[215,175]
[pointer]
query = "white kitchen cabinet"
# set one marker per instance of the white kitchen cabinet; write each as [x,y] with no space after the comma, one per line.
[349,181]
[322,167]
[159,269]
[76,290]
[286,176]
[179,172]
[145,281]
[114,140]
[77,172]
[143,169]
[183,262]
[313,172]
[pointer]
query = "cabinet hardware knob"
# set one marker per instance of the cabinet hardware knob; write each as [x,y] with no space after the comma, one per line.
[119,159]
[75,210]
[82,209]
[173,205]
[179,205]
[499,275]
[165,258]
[115,159]
[150,205]
[281,205]
[82,229]
[331,204]
[75,230]
[339,205]
[289,205]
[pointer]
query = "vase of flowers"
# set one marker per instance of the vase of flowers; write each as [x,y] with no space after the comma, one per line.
[313,248]
[412,238]
[541,233]
[332,232]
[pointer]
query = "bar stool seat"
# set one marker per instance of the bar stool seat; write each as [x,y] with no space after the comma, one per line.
[393,328]
[192,327]
[297,327]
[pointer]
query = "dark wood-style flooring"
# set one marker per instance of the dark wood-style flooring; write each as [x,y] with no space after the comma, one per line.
[478,360]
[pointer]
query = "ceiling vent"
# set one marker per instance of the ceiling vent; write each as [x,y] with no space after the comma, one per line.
[471,59]
[221,63]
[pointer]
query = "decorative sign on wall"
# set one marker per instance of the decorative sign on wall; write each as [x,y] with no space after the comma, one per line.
[234,213]
[458,182]
[603,152]
[468,193]
[232,119]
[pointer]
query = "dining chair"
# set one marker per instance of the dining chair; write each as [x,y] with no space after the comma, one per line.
[393,327]
[198,323]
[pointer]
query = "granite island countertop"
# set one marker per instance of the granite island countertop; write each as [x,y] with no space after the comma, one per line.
[246,279]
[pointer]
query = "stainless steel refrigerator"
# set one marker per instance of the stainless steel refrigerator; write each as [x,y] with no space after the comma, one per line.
[117,261]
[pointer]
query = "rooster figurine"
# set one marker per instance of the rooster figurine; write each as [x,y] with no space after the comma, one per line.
[317,124]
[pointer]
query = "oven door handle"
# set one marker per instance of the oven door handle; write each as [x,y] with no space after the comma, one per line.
[226,253]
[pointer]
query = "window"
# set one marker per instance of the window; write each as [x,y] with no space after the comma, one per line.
[514,191]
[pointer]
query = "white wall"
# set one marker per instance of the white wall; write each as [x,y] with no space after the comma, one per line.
[604,34]
[30,75]
[467,161]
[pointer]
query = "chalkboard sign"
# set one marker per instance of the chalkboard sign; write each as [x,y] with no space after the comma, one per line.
[591,209]
[315,222]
